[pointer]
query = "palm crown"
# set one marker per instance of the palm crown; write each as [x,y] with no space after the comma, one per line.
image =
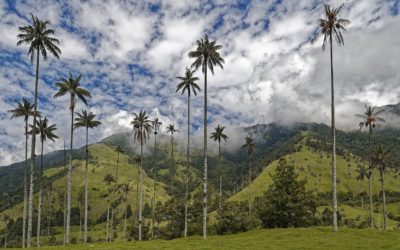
[188,83]
[206,55]
[171,129]
[380,158]
[218,134]
[23,109]
[370,117]
[108,179]
[331,25]
[156,125]
[86,119]
[119,149]
[249,143]
[38,36]
[72,85]
[45,131]
[141,126]
[362,172]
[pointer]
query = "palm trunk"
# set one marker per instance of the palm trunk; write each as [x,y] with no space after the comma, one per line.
[50,213]
[33,156]
[205,155]
[172,163]
[384,199]
[80,224]
[85,223]
[220,178]
[112,222]
[125,215]
[65,201]
[108,216]
[187,172]
[5,235]
[250,182]
[69,176]
[334,198]
[25,185]
[154,185]
[141,184]
[371,205]
[40,198]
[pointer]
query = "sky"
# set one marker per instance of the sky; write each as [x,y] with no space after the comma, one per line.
[129,54]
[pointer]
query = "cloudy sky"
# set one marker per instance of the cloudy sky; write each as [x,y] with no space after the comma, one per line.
[130,53]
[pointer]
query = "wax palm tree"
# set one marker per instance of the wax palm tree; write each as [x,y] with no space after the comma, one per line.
[108,180]
[6,219]
[369,120]
[380,160]
[45,132]
[137,160]
[187,84]
[24,109]
[71,85]
[156,126]
[86,120]
[38,36]
[171,130]
[206,56]
[118,149]
[49,190]
[126,189]
[332,27]
[362,173]
[249,143]
[142,128]
[217,136]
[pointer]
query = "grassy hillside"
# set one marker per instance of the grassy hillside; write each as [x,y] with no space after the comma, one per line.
[102,161]
[292,238]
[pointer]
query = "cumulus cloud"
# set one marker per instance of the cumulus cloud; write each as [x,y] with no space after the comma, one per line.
[130,54]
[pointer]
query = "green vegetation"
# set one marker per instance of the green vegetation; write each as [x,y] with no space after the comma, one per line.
[289,238]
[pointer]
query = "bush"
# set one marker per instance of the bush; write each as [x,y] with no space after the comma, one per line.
[287,203]
[234,218]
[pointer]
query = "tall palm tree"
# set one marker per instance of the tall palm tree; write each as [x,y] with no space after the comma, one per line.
[72,86]
[49,189]
[119,150]
[187,84]
[156,126]
[38,36]
[137,160]
[86,120]
[362,173]
[369,120]
[249,143]
[108,180]
[332,27]
[126,189]
[24,109]
[219,135]
[171,129]
[45,132]
[141,131]
[206,56]
[380,160]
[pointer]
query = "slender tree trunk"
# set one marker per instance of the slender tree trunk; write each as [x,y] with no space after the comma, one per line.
[384,199]
[172,163]
[371,205]
[334,198]
[155,183]
[362,201]
[69,176]
[65,199]
[250,182]
[50,213]
[5,235]
[112,222]
[108,216]
[141,184]
[205,156]
[80,224]
[85,223]
[125,215]
[220,178]
[187,172]
[25,185]
[40,198]
[33,155]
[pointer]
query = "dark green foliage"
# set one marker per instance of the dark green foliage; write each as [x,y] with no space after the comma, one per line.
[234,218]
[286,202]
[326,217]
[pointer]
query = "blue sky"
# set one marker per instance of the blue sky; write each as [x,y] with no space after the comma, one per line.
[130,53]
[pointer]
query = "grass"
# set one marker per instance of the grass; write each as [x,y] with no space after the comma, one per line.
[292,238]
